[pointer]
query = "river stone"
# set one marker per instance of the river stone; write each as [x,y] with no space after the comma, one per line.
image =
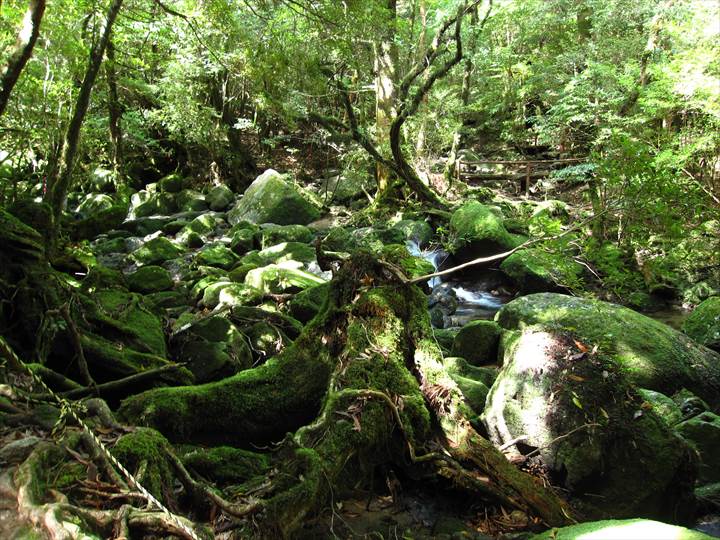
[219,198]
[276,279]
[172,183]
[653,355]
[477,342]
[155,251]
[417,231]
[211,293]
[150,279]
[100,222]
[277,234]
[703,432]
[189,200]
[478,230]
[637,529]
[628,463]
[238,273]
[272,198]
[536,270]
[104,247]
[238,294]
[217,255]
[703,324]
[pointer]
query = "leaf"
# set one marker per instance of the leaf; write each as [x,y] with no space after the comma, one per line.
[581,346]
[577,378]
[577,403]
[604,413]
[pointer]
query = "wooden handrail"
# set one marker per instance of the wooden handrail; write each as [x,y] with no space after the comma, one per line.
[519,162]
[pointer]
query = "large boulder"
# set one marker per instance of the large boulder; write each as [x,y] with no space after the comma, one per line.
[93,203]
[282,278]
[703,432]
[637,529]
[652,355]
[156,251]
[703,324]
[478,230]
[150,279]
[219,198]
[536,270]
[477,342]
[575,409]
[273,198]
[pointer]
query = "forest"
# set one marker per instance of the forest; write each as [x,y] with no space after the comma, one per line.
[360,269]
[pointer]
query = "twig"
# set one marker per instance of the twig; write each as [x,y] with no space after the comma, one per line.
[561,437]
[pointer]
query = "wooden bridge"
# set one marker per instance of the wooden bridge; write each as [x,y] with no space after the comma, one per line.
[524,171]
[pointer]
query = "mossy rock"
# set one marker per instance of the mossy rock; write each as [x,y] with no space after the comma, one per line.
[273,198]
[277,279]
[265,340]
[241,270]
[172,183]
[338,239]
[536,270]
[651,354]
[477,342]
[637,529]
[214,360]
[238,294]
[662,405]
[147,448]
[287,251]
[211,293]
[703,432]
[168,299]
[219,198]
[416,231]
[93,203]
[445,337]
[227,465]
[242,241]
[412,266]
[477,230]
[276,234]
[474,383]
[189,200]
[150,279]
[308,303]
[100,222]
[156,251]
[550,385]
[106,247]
[217,255]
[703,324]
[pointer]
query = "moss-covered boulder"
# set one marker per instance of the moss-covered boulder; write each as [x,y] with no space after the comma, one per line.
[412,266]
[276,279]
[238,273]
[477,342]
[172,183]
[273,198]
[93,203]
[416,231]
[536,270]
[703,432]
[276,234]
[156,251]
[478,230]
[145,449]
[144,204]
[242,241]
[219,198]
[226,464]
[474,382]
[201,225]
[661,405]
[345,188]
[651,354]
[611,529]
[99,222]
[703,324]
[150,279]
[217,255]
[189,200]
[578,411]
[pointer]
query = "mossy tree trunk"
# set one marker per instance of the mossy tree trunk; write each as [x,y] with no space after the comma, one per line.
[363,386]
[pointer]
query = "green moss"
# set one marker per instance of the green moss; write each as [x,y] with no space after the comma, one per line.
[537,270]
[653,355]
[279,279]
[288,251]
[146,446]
[477,342]
[149,279]
[216,255]
[238,273]
[308,303]
[476,223]
[622,530]
[411,265]
[156,251]
[227,465]
[703,324]
[278,234]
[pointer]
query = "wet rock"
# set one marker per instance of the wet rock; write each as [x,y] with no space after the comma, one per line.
[653,355]
[703,324]
[477,342]
[478,230]
[273,198]
[287,251]
[150,279]
[276,234]
[703,432]
[581,414]
[217,255]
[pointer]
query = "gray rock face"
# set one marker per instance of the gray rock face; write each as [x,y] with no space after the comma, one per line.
[272,198]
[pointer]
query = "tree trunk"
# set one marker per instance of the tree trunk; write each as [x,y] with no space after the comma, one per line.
[385,79]
[59,184]
[114,112]
[23,50]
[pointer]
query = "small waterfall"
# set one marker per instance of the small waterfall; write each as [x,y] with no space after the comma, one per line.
[481,299]
[434,257]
